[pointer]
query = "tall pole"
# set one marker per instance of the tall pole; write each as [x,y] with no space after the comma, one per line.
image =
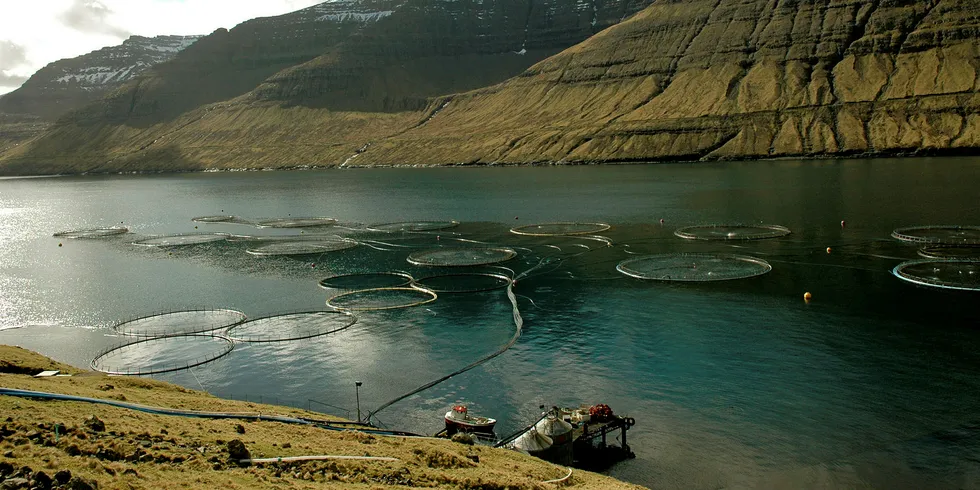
[357,396]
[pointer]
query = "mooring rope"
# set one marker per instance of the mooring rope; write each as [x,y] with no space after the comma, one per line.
[518,322]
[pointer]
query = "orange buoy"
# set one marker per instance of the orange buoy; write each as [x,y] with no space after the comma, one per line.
[843,223]
[828,249]
[807,296]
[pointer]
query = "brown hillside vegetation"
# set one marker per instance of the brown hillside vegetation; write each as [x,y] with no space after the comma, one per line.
[128,449]
[256,97]
[681,80]
[714,79]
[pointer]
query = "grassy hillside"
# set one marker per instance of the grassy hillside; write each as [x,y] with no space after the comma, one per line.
[312,87]
[141,450]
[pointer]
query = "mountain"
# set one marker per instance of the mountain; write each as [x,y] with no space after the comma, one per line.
[68,84]
[311,86]
[476,81]
[729,79]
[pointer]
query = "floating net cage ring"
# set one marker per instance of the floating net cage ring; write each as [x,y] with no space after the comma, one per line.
[461,256]
[303,247]
[424,296]
[491,282]
[561,229]
[948,235]
[183,322]
[693,267]
[366,280]
[732,232]
[214,219]
[101,361]
[239,333]
[305,222]
[966,252]
[958,275]
[415,226]
[93,232]
[182,239]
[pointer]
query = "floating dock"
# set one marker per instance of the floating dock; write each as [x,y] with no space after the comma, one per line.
[572,437]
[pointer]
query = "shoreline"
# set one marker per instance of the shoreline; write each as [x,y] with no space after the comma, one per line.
[910,154]
[105,445]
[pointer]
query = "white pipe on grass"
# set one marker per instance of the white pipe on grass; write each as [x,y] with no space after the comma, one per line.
[288,459]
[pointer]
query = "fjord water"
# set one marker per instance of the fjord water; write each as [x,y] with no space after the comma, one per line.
[741,383]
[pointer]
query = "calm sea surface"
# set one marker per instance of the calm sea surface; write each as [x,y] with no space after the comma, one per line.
[875,382]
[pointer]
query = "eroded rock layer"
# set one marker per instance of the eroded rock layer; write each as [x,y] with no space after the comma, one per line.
[716,79]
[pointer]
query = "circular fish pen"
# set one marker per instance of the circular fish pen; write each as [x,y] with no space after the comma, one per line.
[560,229]
[368,280]
[472,282]
[162,354]
[415,226]
[381,299]
[943,235]
[960,275]
[461,257]
[296,222]
[182,240]
[693,267]
[950,252]
[732,232]
[302,247]
[292,326]
[93,232]
[180,323]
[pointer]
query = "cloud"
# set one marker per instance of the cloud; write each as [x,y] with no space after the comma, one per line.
[91,16]
[12,56]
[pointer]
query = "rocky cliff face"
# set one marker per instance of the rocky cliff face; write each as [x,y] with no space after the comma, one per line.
[427,48]
[722,79]
[68,84]
[682,79]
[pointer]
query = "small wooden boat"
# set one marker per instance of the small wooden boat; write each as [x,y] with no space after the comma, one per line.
[459,420]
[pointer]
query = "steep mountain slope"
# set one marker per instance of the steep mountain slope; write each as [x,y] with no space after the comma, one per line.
[314,86]
[68,84]
[682,79]
[717,79]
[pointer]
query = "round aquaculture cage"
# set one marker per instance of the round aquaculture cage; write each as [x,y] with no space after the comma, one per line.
[943,235]
[296,222]
[415,226]
[461,257]
[464,282]
[180,323]
[93,233]
[213,219]
[950,252]
[182,240]
[960,275]
[381,299]
[693,267]
[368,280]
[732,232]
[292,326]
[560,229]
[162,354]
[303,247]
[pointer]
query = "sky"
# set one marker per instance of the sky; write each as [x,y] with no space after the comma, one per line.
[34,33]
